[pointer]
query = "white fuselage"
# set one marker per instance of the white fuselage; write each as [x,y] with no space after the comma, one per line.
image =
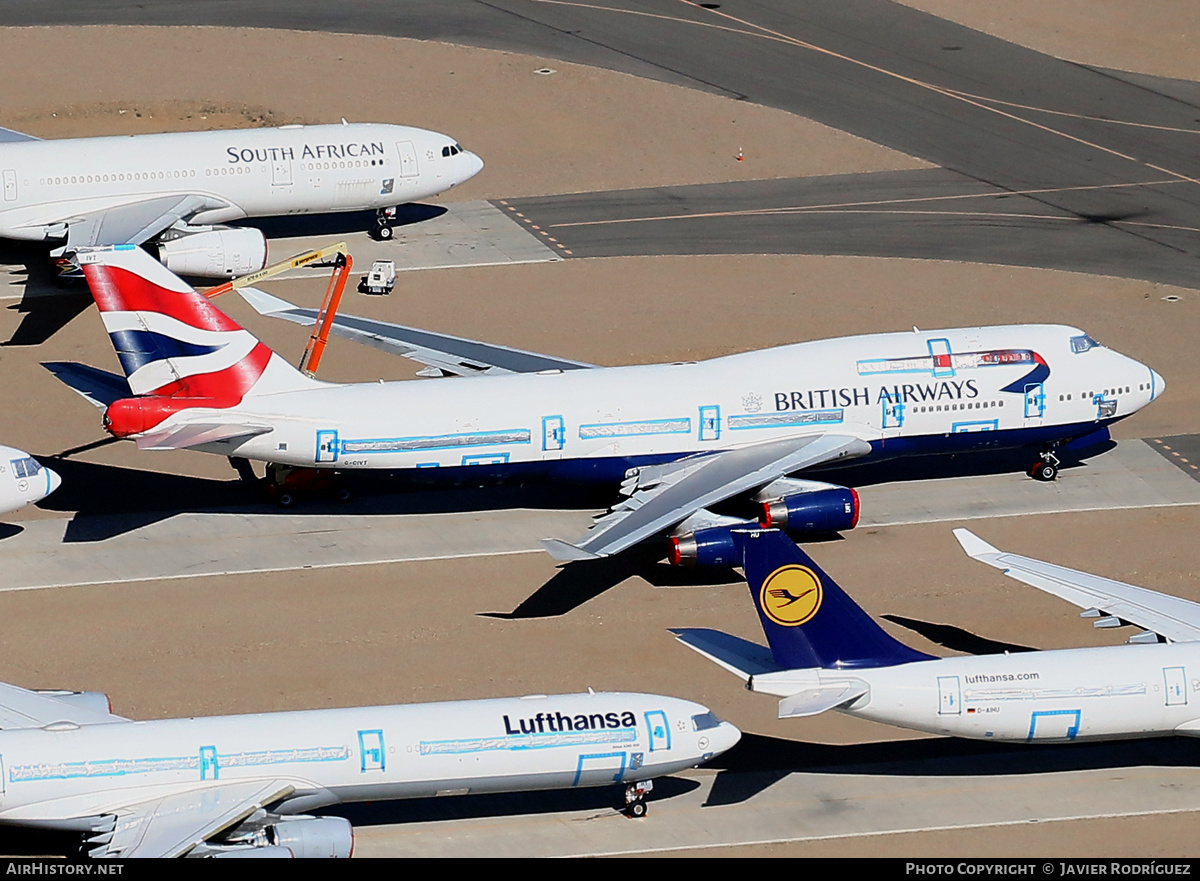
[23,480]
[242,173]
[52,776]
[902,392]
[1072,694]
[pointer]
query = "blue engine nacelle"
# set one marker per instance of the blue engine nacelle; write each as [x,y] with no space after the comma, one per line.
[827,510]
[704,547]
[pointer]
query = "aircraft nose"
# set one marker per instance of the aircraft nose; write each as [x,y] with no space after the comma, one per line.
[473,165]
[725,737]
[1157,384]
[53,481]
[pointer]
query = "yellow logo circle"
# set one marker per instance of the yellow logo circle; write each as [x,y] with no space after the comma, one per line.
[791,595]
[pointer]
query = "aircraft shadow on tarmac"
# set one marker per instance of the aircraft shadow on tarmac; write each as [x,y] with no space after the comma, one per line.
[955,638]
[345,223]
[759,761]
[602,799]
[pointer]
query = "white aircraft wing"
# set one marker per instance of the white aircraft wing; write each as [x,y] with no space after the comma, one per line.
[22,708]
[8,136]
[663,495]
[194,434]
[173,825]
[133,222]
[1174,618]
[443,353]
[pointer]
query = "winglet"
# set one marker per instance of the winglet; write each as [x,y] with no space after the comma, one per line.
[977,548]
[565,552]
[264,303]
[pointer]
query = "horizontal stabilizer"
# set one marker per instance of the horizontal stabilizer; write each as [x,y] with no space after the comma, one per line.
[195,434]
[565,552]
[813,701]
[8,136]
[22,708]
[975,546]
[99,387]
[739,656]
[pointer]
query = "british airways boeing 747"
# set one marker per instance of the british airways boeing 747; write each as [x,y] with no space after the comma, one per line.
[678,438]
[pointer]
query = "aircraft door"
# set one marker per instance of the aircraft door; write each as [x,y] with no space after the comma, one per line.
[554,433]
[281,173]
[10,185]
[658,729]
[209,769]
[327,446]
[893,413]
[1175,680]
[408,159]
[1035,401]
[949,702]
[710,423]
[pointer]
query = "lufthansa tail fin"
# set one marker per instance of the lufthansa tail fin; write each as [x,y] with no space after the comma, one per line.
[810,621]
[172,341]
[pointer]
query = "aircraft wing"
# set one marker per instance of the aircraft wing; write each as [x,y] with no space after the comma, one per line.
[1174,618]
[22,708]
[661,496]
[173,825]
[444,354]
[133,222]
[8,136]
[195,434]
[98,387]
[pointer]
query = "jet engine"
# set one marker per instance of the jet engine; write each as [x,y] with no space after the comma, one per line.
[213,252]
[270,835]
[822,510]
[798,507]
[704,547]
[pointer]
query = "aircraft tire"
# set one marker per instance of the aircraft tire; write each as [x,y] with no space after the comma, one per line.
[636,809]
[382,233]
[1043,471]
[286,500]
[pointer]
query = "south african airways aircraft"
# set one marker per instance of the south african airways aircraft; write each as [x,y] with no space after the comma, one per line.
[827,654]
[241,786]
[678,438]
[175,191]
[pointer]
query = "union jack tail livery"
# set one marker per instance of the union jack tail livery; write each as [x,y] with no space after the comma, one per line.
[176,348]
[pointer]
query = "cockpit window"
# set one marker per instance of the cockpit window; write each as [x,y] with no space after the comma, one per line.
[452,150]
[28,467]
[1083,343]
[705,721]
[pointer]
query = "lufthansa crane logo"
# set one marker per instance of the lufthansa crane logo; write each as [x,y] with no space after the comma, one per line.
[791,595]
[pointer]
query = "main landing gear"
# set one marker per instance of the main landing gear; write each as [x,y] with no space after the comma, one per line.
[1046,467]
[635,798]
[385,218]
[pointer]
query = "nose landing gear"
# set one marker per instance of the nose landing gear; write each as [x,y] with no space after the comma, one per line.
[1046,467]
[635,798]
[384,219]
